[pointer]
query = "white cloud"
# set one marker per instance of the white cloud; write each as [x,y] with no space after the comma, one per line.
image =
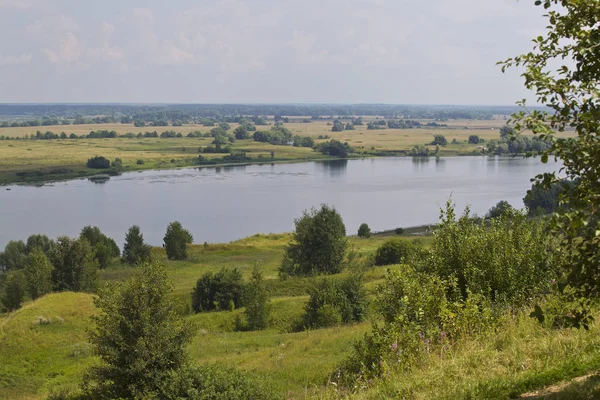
[21,59]
[143,13]
[52,23]
[107,28]
[106,53]
[69,51]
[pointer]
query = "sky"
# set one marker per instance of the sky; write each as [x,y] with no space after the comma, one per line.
[264,51]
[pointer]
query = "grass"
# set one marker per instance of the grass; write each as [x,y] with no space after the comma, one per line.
[44,346]
[71,155]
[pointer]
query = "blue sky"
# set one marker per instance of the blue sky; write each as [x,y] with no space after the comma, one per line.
[264,51]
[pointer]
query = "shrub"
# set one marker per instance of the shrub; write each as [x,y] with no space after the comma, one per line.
[501,208]
[13,291]
[176,240]
[439,140]
[395,251]
[364,231]
[216,291]
[399,231]
[474,139]
[333,301]
[117,164]
[140,162]
[506,261]
[98,162]
[318,244]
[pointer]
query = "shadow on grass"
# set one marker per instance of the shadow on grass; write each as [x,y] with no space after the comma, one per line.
[583,388]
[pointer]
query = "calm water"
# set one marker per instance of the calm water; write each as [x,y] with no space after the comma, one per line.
[228,203]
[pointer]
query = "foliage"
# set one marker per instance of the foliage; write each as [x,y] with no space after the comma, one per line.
[74,266]
[318,244]
[364,231]
[394,251]
[541,199]
[105,249]
[506,261]
[571,92]
[98,162]
[338,126]
[241,133]
[335,148]
[41,241]
[176,240]
[333,301]
[399,231]
[14,256]
[278,135]
[501,208]
[258,306]
[419,151]
[439,140]
[135,251]
[473,139]
[139,337]
[216,291]
[38,273]
[14,290]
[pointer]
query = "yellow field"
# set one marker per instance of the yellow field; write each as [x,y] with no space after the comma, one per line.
[46,155]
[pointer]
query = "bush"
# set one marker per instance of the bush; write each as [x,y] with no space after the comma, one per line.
[439,140]
[474,139]
[98,162]
[318,244]
[13,290]
[176,240]
[335,148]
[117,164]
[395,251]
[333,301]
[364,231]
[216,291]
[399,231]
[140,162]
[507,261]
[501,208]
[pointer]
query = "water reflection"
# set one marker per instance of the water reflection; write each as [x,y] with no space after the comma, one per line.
[333,168]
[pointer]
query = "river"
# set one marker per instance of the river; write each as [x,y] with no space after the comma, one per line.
[227,203]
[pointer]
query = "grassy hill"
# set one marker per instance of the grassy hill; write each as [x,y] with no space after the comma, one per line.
[44,348]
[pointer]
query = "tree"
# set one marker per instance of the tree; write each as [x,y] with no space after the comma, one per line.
[501,208]
[364,231]
[473,139]
[42,241]
[139,338]
[74,266]
[439,140]
[135,251]
[176,240]
[241,133]
[105,249]
[98,162]
[13,293]
[395,251]
[117,164]
[38,274]
[14,256]
[338,126]
[318,243]
[218,291]
[258,307]
[571,92]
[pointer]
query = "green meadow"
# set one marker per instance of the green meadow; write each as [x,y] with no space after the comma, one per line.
[45,349]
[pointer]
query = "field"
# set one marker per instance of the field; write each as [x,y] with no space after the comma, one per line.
[29,156]
[44,345]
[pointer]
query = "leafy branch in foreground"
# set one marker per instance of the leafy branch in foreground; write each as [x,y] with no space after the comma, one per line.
[571,91]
